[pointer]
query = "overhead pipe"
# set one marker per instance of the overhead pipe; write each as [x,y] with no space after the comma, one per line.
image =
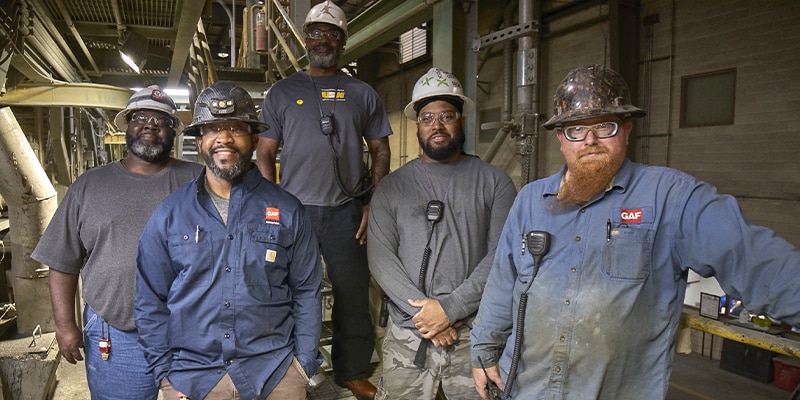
[54,34]
[32,202]
[77,35]
[231,31]
[45,47]
[118,19]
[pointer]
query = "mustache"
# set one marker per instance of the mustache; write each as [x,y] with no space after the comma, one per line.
[595,150]
[225,147]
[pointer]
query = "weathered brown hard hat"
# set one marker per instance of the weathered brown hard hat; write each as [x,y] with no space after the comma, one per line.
[591,91]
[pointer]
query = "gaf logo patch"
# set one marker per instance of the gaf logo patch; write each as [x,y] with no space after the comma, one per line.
[272,215]
[631,216]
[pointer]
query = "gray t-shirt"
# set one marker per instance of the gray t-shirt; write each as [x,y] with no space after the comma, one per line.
[95,232]
[292,111]
[476,196]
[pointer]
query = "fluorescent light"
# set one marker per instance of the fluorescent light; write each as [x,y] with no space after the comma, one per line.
[134,51]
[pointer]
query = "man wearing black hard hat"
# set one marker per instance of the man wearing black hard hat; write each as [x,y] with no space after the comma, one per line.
[228,299]
[93,235]
[587,287]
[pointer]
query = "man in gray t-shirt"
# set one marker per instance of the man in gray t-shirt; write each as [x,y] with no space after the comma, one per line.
[322,117]
[94,235]
[433,231]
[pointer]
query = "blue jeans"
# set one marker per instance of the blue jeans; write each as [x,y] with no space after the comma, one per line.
[346,262]
[122,376]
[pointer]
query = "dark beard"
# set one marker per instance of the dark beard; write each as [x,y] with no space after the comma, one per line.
[453,147]
[588,179]
[318,60]
[229,173]
[154,153]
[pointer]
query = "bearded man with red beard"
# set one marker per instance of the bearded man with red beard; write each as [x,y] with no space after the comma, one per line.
[596,259]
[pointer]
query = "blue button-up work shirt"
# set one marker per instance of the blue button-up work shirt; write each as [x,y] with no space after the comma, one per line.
[240,299]
[604,307]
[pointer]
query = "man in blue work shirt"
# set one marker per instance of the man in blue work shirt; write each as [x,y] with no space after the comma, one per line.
[604,302]
[228,300]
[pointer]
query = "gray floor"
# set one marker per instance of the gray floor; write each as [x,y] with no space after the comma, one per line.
[693,378]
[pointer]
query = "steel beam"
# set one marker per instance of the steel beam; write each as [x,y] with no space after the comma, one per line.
[383,22]
[67,95]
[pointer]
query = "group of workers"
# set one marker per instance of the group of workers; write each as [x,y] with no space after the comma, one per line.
[203,282]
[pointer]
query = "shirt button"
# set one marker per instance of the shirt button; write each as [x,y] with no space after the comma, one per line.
[185,237]
[577,238]
[228,269]
[572,269]
[271,237]
[230,237]
[228,362]
[227,336]
[562,338]
[583,211]
[557,369]
[566,302]
[227,304]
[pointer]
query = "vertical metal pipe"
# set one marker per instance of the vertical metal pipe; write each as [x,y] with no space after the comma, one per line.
[32,202]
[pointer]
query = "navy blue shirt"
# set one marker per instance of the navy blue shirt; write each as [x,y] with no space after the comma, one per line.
[241,299]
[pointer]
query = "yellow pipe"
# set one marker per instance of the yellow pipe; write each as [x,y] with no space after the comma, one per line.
[752,337]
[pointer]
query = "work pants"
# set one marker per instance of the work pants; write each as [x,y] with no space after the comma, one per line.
[346,262]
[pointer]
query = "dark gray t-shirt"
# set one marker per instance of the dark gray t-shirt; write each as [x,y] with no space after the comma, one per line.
[476,196]
[95,232]
[292,111]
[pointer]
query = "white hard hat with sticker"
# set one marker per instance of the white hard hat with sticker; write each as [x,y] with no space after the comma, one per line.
[437,83]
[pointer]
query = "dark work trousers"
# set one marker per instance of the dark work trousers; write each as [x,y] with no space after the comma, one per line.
[346,263]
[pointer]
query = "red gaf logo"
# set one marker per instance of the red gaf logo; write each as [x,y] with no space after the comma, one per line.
[631,216]
[273,214]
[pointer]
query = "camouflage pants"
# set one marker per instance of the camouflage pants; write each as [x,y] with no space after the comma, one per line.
[450,365]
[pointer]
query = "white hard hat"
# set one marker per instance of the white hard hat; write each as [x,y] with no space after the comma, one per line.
[149,98]
[326,13]
[437,83]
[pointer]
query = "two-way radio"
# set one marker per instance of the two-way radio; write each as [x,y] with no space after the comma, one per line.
[433,213]
[538,244]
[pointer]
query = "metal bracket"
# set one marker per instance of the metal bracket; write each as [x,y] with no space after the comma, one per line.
[509,33]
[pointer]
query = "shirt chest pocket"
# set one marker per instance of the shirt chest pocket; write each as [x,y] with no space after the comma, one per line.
[628,254]
[193,255]
[266,253]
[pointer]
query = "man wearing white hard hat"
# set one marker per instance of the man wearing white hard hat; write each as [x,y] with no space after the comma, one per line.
[433,229]
[322,117]
[93,235]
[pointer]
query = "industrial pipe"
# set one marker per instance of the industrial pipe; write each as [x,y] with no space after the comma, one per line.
[31,202]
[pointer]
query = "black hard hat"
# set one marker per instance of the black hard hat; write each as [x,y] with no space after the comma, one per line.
[221,102]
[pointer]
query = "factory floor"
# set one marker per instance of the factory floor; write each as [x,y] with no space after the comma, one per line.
[694,377]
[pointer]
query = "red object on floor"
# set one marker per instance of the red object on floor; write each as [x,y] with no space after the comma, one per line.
[787,373]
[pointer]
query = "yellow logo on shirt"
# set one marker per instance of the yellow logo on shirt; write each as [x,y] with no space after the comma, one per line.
[271,255]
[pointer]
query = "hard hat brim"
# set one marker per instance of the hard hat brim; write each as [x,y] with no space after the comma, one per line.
[194,129]
[468,106]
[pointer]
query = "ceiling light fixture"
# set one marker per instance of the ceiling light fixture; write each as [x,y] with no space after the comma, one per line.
[134,51]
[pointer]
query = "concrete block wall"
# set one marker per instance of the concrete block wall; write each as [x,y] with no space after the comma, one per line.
[757,158]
